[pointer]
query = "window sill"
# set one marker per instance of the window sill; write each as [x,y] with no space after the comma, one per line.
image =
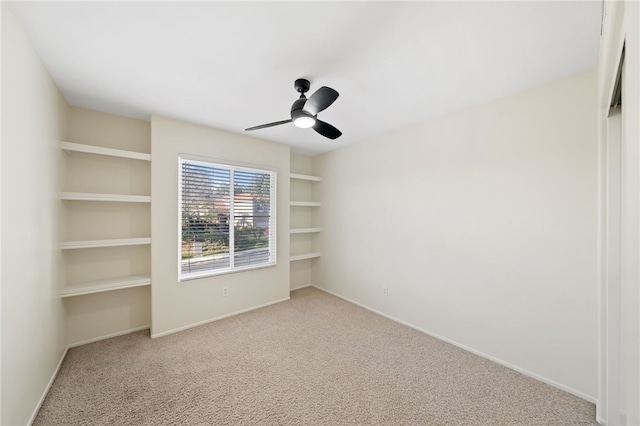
[208,274]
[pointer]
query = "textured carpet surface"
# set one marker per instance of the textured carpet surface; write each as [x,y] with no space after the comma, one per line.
[314,360]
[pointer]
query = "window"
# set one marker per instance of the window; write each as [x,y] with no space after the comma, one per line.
[227,218]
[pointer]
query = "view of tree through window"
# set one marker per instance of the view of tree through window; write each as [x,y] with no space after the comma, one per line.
[226,218]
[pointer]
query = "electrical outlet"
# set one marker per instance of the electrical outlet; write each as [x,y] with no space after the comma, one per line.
[225,291]
[385,291]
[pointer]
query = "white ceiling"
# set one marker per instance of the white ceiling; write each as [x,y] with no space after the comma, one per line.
[232,65]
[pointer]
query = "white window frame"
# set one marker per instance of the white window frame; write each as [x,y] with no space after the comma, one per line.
[232,167]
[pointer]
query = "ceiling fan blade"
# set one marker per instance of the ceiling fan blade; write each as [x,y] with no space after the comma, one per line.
[326,130]
[320,100]
[264,126]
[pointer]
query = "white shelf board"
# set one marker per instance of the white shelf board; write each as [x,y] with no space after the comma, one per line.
[305,177]
[85,196]
[99,150]
[306,203]
[119,242]
[304,256]
[304,230]
[99,286]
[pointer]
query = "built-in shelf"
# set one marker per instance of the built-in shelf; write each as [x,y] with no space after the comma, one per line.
[99,286]
[305,204]
[307,235]
[83,196]
[304,230]
[99,150]
[304,256]
[119,242]
[304,177]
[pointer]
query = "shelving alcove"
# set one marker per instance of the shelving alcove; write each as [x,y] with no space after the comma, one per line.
[304,234]
[100,156]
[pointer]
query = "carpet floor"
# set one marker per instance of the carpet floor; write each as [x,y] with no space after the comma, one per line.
[313,360]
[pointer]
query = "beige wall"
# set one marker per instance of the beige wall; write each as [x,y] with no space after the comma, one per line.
[179,305]
[33,122]
[482,226]
[108,130]
[96,316]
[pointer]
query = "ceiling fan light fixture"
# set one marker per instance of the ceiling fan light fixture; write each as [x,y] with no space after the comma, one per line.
[304,122]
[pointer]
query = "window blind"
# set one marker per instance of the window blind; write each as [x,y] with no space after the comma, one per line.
[226,218]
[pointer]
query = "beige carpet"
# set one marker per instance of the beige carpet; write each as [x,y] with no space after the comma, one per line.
[314,360]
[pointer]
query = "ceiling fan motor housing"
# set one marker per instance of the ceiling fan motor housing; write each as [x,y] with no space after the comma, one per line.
[299,116]
[296,109]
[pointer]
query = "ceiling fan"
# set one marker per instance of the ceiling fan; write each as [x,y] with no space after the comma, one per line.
[304,112]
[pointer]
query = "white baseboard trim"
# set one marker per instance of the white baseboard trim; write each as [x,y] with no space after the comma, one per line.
[207,321]
[46,389]
[560,386]
[108,336]
[302,286]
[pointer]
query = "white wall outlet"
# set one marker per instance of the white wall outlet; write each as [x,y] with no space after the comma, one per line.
[225,291]
[385,291]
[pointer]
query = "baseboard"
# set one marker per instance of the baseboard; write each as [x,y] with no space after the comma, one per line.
[302,286]
[207,321]
[108,336]
[46,389]
[473,351]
